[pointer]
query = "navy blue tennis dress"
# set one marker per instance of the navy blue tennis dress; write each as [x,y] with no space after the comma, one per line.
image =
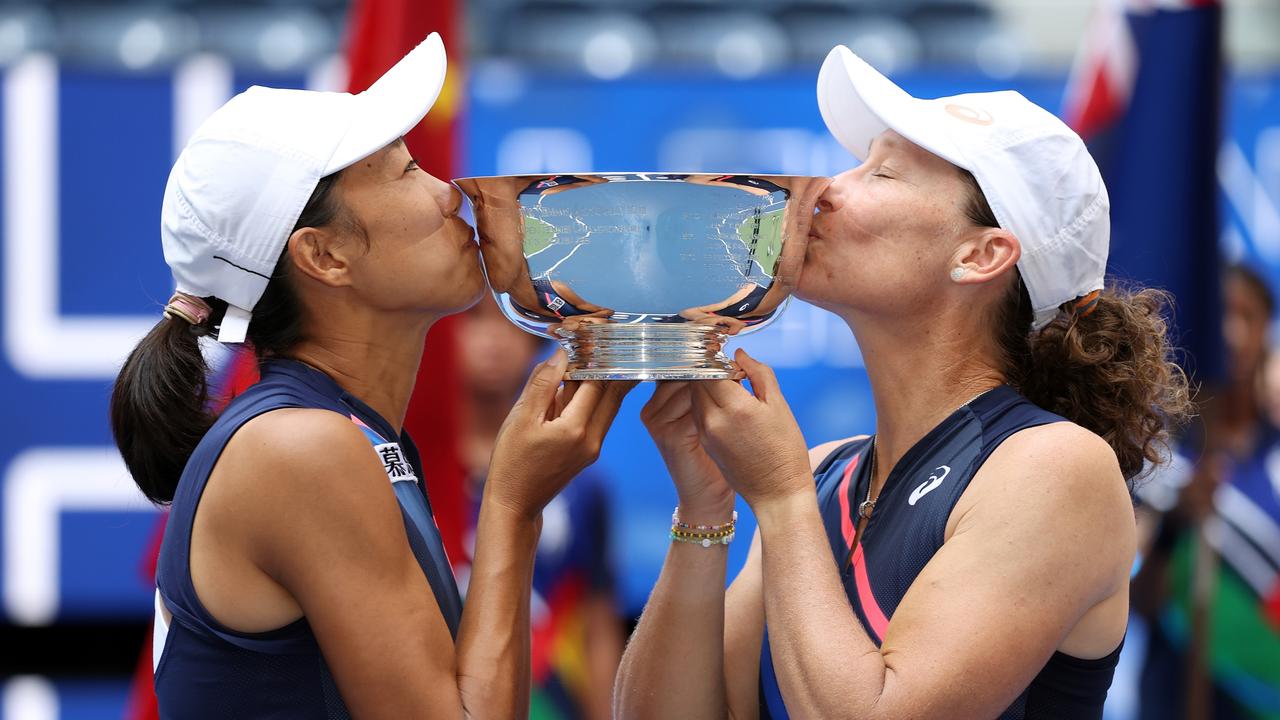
[206,670]
[908,527]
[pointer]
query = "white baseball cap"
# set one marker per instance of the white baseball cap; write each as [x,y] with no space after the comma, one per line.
[239,185]
[1035,172]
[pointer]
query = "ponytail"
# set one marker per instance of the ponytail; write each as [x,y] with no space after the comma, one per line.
[1108,368]
[160,405]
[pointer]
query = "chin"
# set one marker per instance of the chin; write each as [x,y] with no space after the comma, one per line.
[822,295]
[468,295]
[461,296]
[804,289]
[480,291]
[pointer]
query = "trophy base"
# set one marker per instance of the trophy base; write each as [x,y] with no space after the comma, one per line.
[614,351]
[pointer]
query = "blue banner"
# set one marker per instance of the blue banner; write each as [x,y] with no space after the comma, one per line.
[84,156]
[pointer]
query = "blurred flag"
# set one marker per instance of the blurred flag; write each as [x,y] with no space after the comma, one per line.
[1145,94]
[380,33]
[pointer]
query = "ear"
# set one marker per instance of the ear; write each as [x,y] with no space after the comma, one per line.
[985,255]
[322,255]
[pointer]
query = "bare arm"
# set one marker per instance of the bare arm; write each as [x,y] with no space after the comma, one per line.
[1047,539]
[674,664]
[1036,559]
[493,640]
[343,556]
[744,620]
[328,530]
[696,651]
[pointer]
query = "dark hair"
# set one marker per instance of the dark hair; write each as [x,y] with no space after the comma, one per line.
[1256,283]
[160,405]
[1110,370]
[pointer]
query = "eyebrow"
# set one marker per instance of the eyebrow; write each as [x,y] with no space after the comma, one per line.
[889,144]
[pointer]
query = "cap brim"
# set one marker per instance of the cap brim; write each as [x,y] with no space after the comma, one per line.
[394,104]
[858,104]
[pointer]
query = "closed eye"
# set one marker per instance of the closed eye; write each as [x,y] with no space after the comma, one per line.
[884,171]
[413,165]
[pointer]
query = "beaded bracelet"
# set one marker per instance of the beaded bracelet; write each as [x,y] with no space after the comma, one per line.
[704,535]
[675,522]
[705,540]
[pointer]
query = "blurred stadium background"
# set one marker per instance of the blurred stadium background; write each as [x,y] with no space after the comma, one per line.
[96,98]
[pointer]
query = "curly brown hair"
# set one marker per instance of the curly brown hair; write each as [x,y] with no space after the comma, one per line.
[1110,370]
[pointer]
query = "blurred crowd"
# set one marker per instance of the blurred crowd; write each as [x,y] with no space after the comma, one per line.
[605,38]
[1207,584]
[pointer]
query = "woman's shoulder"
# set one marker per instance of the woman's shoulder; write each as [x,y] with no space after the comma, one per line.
[1059,487]
[1072,442]
[1070,453]
[298,437]
[295,467]
[286,453]
[818,454]
[1058,469]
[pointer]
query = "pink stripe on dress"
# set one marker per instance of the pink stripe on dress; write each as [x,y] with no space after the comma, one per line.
[846,517]
[867,599]
[870,608]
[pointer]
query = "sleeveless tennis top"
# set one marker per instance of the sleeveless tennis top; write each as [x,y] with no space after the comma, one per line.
[206,670]
[909,526]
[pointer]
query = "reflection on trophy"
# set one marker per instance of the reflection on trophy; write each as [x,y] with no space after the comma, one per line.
[643,276]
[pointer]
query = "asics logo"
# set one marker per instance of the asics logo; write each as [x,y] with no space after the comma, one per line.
[928,486]
[977,116]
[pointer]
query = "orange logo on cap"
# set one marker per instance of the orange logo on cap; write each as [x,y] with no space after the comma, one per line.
[970,115]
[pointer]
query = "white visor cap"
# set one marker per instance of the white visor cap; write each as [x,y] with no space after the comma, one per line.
[1035,172]
[238,187]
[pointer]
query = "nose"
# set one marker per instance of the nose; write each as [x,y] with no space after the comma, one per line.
[447,197]
[826,202]
[830,200]
[454,205]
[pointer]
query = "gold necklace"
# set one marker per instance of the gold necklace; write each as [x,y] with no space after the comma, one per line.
[868,506]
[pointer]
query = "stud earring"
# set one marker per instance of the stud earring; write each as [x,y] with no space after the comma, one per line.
[958,273]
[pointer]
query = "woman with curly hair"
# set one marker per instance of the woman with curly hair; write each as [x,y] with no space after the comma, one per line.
[972,557]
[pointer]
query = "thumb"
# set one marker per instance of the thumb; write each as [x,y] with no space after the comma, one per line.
[764,383]
[540,391]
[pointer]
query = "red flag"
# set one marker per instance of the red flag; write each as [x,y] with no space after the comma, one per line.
[1271,606]
[382,32]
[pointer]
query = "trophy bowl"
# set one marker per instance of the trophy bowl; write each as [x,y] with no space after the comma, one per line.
[643,276]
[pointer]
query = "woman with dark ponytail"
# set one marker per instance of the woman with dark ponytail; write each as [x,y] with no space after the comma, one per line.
[972,557]
[301,573]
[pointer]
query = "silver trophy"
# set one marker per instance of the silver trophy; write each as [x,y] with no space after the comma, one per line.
[643,276]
